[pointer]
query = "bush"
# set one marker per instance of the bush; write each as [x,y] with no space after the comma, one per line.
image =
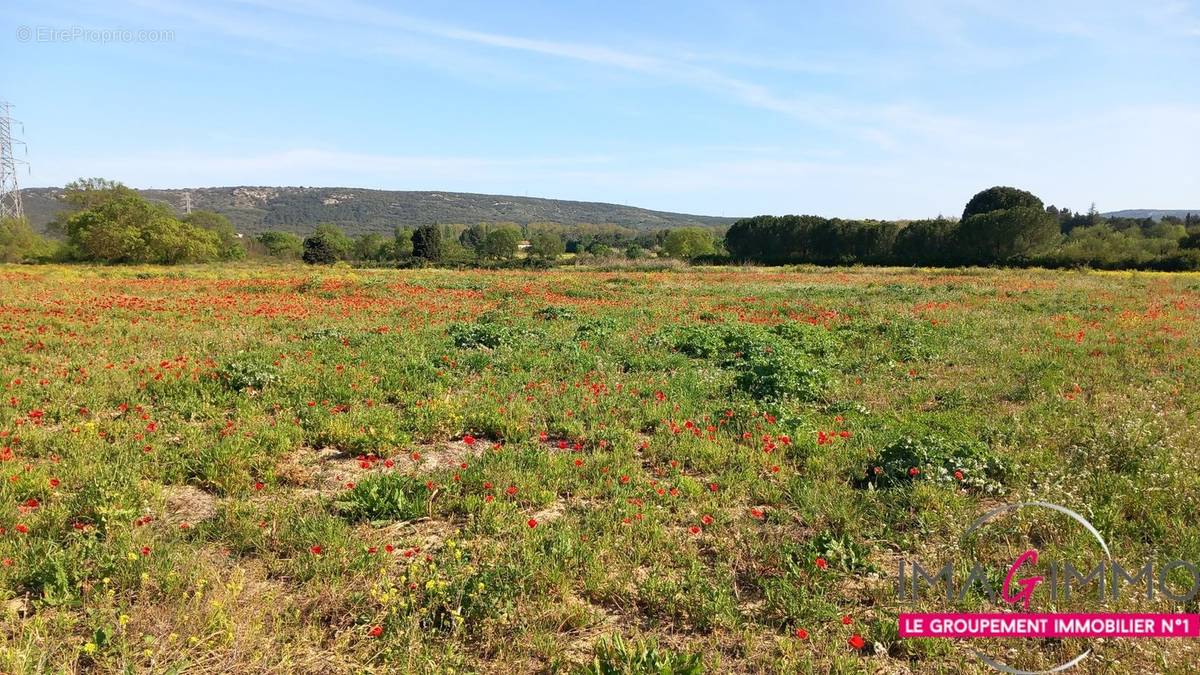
[553,312]
[239,375]
[971,465]
[772,364]
[771,373]
[481,334]
[389,496]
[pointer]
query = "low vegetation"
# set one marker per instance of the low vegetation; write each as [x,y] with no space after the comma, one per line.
[221,468]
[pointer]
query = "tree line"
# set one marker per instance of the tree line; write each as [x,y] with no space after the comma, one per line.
[999,226]
[107,222]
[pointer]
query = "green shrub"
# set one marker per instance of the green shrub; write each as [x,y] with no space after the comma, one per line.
[384,497]
[485,335]
[971,465]
[553,312]
[770,373]
[247,374]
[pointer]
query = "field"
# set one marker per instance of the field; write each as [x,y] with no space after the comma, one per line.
[240,469]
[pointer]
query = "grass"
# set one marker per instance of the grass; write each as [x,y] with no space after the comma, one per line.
[221,469]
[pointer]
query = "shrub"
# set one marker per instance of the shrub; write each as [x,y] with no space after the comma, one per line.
[481,334]
[247,374]
[970,464]
[383,497]
[552,312]
[768,372]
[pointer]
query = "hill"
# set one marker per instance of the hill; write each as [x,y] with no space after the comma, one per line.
[1156,214]
[359,211]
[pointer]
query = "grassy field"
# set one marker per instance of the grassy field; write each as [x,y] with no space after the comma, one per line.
[286,469]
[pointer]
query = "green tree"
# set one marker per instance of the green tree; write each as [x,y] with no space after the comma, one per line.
[87,193]
[282,244]
[229,245]
[370,246]
[546,245]
[427,243]
[501,243]
[327,245]
[926,242]
[1000,197]
[18,241]
[1001,235]
[402,247]
[689,242]
[473,237]
[599,249]
[127,228]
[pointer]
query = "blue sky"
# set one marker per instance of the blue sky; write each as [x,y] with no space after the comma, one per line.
[893,109]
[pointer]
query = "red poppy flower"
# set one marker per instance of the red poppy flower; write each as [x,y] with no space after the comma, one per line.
[315,549]
[145,551]
[375,631]
[706,519]
[531,522]
[822,563]
[801,633]
[694,529]
[856,641]
[469,439]
[846,620]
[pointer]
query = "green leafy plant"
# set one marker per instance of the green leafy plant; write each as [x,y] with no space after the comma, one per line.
[968,464]
[247,374]
[384,497]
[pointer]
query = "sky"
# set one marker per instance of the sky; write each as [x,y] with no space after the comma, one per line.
[890,109]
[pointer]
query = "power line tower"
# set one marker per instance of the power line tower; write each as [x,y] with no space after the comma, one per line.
[10,192]
[187,202]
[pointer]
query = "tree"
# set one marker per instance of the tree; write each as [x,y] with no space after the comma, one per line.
[229,246]
[472,237]
[282,244]
[18,241]
[402,246]
[427,243]
[501,243]
[925,242]
[1001,235]
[370,246]
[1000,197]
[546,245]
[689,242]
[599,249]
[128,229]
[87,193]
[327,245]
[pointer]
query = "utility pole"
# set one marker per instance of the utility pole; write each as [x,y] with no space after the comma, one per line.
[10,192]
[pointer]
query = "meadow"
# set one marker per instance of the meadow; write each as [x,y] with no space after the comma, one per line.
[265,469]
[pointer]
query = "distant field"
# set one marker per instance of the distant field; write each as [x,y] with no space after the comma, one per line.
[248,469]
